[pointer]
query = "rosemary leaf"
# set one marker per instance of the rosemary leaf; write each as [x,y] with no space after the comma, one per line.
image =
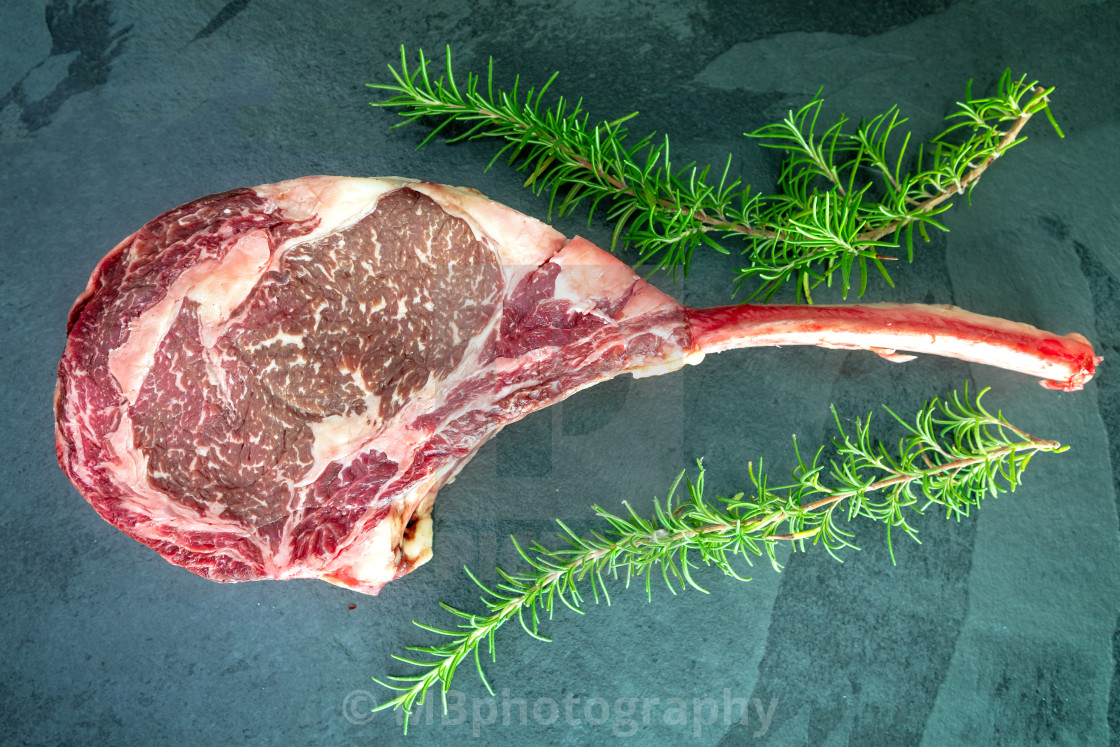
[843,201]
[954,454]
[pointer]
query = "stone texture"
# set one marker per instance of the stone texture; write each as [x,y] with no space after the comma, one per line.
[1000,629]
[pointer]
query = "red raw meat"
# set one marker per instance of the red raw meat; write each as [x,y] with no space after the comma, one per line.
[274,382]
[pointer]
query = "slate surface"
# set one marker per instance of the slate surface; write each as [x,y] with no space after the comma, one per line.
[999,629]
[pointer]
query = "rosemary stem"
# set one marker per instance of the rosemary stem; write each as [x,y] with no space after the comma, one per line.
[969,179]
[1033,444]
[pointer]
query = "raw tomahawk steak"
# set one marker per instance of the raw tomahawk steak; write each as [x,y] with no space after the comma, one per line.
[274,382]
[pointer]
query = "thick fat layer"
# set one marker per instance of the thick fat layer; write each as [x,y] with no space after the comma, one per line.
[218,287]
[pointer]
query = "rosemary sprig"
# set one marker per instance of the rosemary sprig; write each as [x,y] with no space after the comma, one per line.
[844,197]
[954,454]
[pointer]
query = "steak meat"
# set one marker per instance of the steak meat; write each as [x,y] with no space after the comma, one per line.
[274,382]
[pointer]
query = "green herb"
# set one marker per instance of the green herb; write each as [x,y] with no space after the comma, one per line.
[844,196]
[955,454]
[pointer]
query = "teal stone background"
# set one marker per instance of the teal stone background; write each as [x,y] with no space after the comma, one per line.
[999,629]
